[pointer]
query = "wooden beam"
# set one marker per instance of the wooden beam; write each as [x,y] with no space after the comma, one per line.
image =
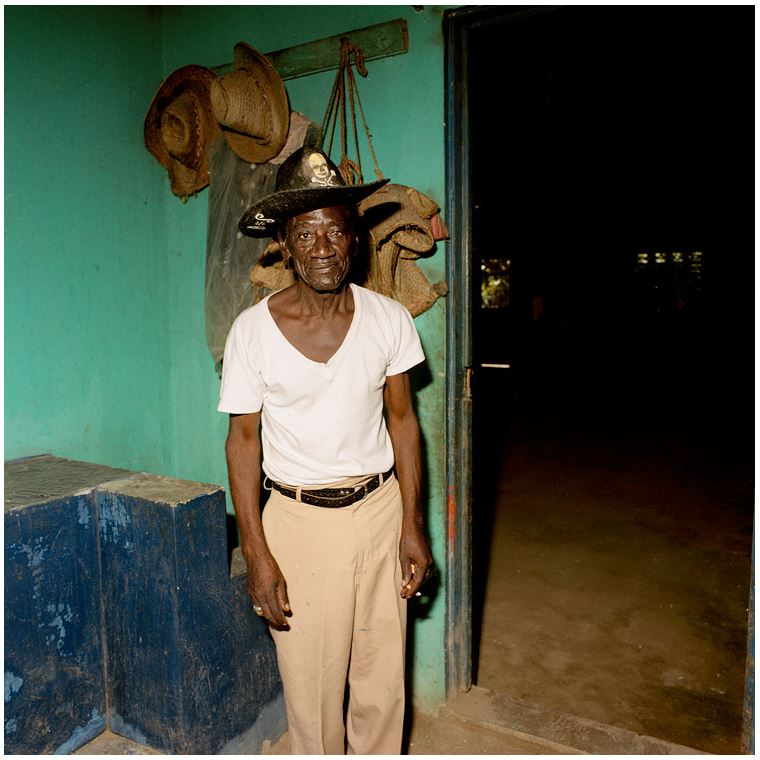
[377,41]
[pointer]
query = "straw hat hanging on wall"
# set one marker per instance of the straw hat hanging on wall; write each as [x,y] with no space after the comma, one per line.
[251,106]
[180,125]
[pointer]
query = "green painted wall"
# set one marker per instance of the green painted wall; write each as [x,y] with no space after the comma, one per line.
[86,272]
[105,350]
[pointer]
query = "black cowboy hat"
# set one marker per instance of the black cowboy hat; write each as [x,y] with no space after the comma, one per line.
[306,181]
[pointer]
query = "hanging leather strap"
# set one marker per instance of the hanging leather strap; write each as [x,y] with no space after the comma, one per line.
[345,90]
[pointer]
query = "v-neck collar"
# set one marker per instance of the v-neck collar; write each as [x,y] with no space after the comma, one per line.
[342,348]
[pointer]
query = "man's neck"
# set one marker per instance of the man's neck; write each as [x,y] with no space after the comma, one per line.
[323,303]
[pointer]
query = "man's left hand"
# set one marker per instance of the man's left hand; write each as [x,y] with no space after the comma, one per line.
[416,560]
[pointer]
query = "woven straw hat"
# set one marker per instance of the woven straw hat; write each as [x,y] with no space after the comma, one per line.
[251,106]
[306,181]
[180,125]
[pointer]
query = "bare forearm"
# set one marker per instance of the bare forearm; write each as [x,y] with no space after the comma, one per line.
[244,469]
[405,437]
[266,584]
[404,432]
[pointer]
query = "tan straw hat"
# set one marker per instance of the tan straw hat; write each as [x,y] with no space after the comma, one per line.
[251,106]
[180,125]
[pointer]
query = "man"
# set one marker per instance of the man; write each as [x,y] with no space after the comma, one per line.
[340,546]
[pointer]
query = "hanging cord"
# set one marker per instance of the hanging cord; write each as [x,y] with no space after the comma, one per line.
[351,171]
[330,112]
[362,69]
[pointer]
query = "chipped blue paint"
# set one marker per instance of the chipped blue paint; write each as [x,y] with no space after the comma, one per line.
[12,684]
[57,623]
[52,619]
[83,510]
[119,726]
[114,519]
[35,556]
[82,734]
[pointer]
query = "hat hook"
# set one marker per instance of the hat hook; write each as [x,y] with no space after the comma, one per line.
[348,48]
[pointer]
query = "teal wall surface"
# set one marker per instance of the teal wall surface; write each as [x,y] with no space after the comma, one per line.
[106,357]
[86,271]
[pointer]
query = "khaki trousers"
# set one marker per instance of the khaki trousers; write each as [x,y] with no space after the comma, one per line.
[348,621]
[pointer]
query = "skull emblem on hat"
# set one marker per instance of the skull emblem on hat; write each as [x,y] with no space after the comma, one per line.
[323,174]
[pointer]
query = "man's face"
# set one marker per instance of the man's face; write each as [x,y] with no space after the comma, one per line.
[322,244]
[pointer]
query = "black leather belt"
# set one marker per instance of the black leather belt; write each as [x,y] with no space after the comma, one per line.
[332,497]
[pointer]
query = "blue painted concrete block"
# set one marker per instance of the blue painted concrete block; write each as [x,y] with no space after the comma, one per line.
[221,662]
[54,684]
[183,645]
[120,611]
[141,628]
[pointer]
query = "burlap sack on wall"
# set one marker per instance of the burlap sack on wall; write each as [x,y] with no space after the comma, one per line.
[403,224]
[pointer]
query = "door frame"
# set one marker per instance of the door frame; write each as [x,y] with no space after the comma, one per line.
[457,25]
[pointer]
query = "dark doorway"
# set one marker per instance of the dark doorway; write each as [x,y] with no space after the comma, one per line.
[610,156]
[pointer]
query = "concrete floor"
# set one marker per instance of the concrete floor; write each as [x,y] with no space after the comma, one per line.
[617,560]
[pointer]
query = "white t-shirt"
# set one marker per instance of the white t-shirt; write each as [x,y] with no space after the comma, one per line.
[320,422]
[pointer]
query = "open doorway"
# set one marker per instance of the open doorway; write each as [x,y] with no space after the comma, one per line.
[604,209]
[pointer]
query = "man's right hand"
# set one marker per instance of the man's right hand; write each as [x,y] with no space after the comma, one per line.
[268,590]
[266,586]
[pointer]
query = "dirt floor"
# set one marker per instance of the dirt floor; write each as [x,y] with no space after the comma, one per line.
[442,735]
[618,564]
[446,734]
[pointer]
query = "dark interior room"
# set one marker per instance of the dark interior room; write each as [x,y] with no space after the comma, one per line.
[612,170]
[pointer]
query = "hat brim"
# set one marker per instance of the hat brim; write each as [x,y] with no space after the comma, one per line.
[254,150]
[263,217]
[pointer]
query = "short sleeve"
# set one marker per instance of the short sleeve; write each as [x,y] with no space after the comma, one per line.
[242,391]
[407,347]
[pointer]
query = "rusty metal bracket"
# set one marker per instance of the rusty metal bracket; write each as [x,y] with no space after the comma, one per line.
[376,41]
